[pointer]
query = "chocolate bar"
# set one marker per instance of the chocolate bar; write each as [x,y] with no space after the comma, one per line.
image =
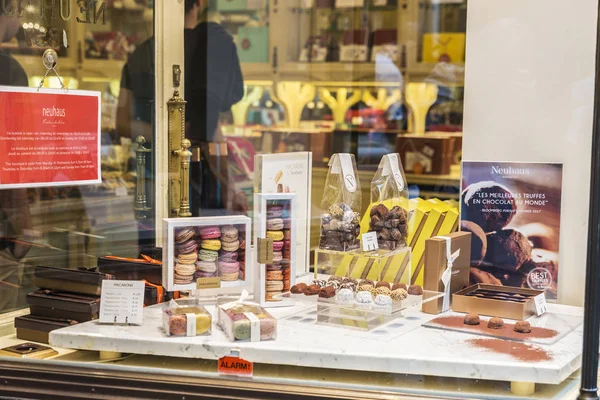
[131,269]
[37,329]
[62,305]
[70,280]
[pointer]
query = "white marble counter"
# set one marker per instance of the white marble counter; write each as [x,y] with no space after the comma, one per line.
[407,349]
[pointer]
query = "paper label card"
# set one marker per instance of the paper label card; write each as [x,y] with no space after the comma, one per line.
[369,241]
[122,302]
[540,304]
[231,365]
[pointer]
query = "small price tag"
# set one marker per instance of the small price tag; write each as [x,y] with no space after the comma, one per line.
[540,304]
[265,251]
[234,365]
[121,302]
[369,241]
[208,283]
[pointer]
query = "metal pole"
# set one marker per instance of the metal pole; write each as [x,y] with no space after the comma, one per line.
[591,321]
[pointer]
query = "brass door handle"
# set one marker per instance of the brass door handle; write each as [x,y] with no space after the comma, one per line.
[141,202]
[185,156]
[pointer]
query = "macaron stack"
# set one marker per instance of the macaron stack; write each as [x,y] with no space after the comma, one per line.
[186,254]
[242,256]
[210,244]
[285,262]
[274,276]
[229,267]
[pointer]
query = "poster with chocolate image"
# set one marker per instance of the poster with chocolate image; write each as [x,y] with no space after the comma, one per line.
[512,210]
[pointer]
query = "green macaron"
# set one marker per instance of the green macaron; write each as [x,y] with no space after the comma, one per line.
[208,255]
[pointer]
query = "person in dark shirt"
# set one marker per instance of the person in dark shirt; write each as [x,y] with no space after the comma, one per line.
[213,80]
[213,83]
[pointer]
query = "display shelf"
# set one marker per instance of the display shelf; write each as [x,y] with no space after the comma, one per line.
[380,74]
[421,351]
[257,71]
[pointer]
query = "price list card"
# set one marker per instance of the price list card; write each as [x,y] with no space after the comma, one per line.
[122,302]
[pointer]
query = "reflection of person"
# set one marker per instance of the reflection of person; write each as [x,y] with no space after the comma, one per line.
[15,218]
[213,83]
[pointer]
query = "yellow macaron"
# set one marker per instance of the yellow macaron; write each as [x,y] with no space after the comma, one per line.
[275,235]
[211,244]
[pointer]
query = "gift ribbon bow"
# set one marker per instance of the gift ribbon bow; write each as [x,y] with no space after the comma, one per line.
[241,301]
[447,275]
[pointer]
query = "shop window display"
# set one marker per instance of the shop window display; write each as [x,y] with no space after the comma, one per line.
[287,180]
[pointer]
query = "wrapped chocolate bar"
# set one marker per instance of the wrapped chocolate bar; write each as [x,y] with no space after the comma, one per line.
[186,321]
[340,221]
[389,194]
[245,320]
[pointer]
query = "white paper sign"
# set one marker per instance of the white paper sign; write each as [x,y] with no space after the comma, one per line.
[369,241]
[122,302]
[540,304]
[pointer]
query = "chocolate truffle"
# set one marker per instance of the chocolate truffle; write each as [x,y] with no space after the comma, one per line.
[364,287]
[507,249]
[522,327]
[399,294]
[383,300]
[345,296]
[333,284]
[488,204]
[399,285]
[327,292]
[335,278]
[379,210]
[319,282]
[349,285]
[312,290]
[298,288]
[415,290]
[471,319]
[348,279]
[495,323]
[383,284]
[364,297]
[478,242]
[367,282]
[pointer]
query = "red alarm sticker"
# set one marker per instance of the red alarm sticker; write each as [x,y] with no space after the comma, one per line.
[232,365]
[49,138]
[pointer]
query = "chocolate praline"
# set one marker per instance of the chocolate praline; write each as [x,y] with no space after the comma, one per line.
[312,290]
[495,323]
[399,285]
[383,284]
[299,288]
[522,327]
[327,292]
[471,319]
[415,290]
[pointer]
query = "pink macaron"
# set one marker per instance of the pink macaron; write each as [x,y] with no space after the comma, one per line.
[211,232]
[274,211]
[277,246]
[286,244]
[229,267]
[187,247]
[228,256]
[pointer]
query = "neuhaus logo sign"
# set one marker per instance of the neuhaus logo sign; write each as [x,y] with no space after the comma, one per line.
[497,170]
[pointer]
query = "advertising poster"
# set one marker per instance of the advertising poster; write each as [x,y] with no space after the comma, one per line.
[49,138]
[513,211]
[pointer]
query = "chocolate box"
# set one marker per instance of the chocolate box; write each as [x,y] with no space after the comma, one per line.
[436,264]
[432,153]
[480,299]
